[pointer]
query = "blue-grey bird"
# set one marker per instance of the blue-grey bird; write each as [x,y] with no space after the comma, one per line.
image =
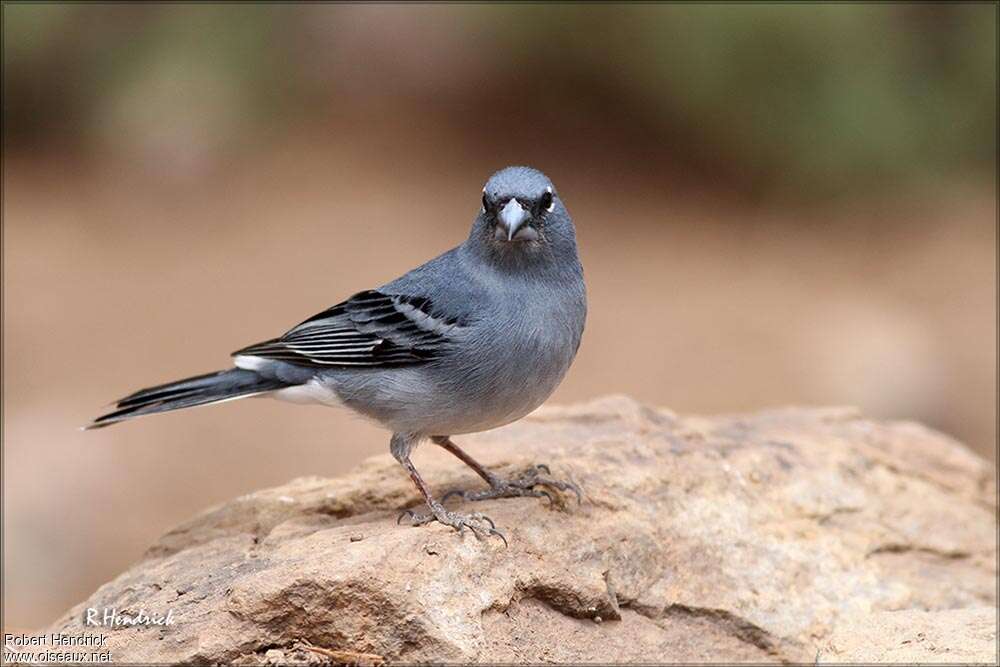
[473,339]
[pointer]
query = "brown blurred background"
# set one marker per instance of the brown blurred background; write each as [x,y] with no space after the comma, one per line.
[776,204]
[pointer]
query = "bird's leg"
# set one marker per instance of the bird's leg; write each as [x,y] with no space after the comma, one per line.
[478,523]
[531,483]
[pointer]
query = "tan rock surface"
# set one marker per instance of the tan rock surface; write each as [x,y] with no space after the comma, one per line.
[747,538]
[914,636]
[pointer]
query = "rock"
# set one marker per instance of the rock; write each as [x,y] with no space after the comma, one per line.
[913,636]
[777,536]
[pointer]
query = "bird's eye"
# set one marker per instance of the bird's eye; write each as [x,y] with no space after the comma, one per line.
[546,203]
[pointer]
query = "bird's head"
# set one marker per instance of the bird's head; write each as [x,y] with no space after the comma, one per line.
[522,215]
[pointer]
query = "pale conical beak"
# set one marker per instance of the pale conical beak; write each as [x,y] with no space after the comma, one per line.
[512,216]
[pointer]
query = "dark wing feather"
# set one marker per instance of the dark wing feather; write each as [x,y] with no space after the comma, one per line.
[371,329]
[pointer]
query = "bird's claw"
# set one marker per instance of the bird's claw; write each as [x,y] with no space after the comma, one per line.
[474,521]
[526,485]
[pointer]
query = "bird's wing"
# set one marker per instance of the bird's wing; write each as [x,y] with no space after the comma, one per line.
[371,329]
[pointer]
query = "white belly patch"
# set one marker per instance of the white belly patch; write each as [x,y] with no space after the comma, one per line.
[311,392]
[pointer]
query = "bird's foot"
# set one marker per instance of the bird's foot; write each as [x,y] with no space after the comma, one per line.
[480,524]
[532,484]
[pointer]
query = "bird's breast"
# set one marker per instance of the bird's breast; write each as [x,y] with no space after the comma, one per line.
[515,363]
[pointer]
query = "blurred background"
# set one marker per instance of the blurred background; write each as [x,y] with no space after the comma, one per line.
[776,204]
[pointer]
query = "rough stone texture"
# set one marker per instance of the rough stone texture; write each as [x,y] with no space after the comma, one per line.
[779,536]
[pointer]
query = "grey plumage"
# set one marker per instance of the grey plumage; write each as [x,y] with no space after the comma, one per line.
[473,339]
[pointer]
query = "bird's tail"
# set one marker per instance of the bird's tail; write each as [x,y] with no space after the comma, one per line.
[200,390]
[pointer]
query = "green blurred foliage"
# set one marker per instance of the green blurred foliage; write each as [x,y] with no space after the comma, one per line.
[803,95]
[819,98]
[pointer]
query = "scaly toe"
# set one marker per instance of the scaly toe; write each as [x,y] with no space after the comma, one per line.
[530,484]
[481,525]
[559,485]
[416,518]
[478,516]
[472,521]
[532,479]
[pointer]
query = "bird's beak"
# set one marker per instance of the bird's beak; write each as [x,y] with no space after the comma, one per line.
[512,216]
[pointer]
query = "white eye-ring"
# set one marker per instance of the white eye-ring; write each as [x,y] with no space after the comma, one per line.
[548,201]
